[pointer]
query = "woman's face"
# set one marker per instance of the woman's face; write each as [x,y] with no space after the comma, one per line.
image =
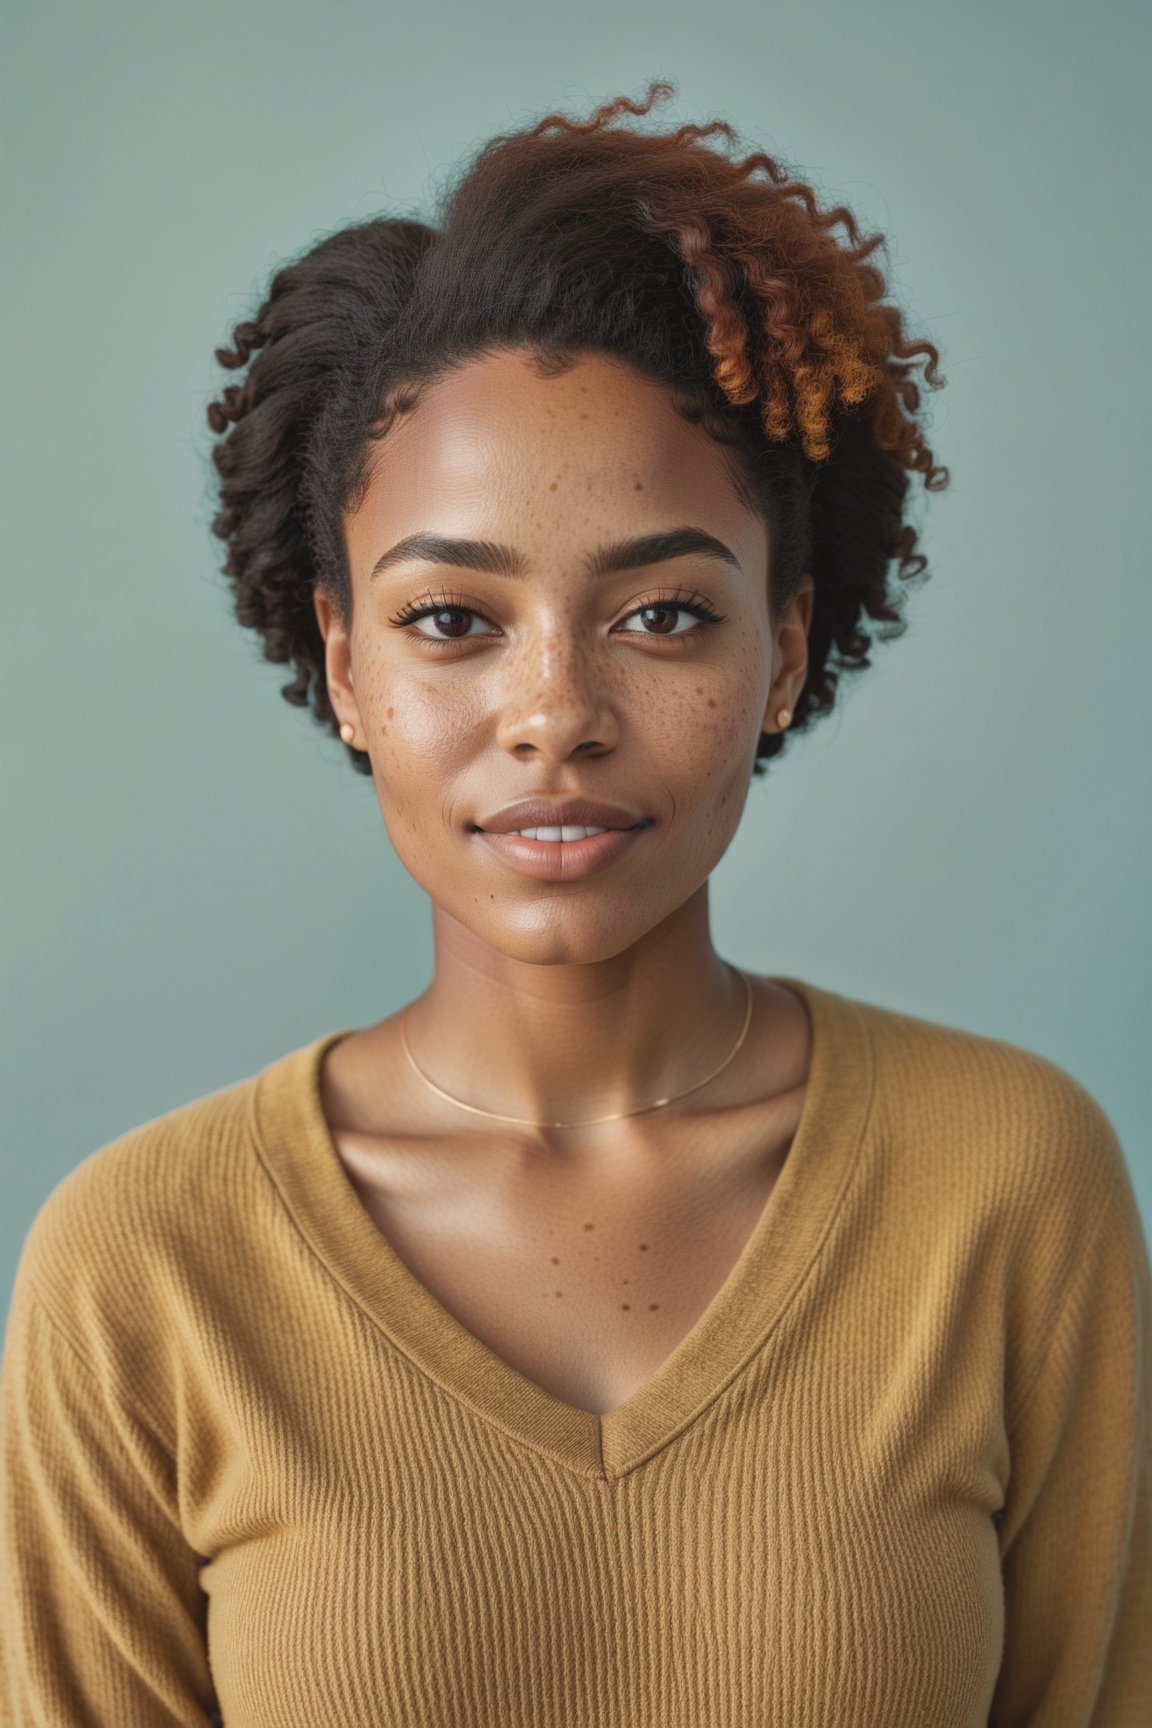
[557,663]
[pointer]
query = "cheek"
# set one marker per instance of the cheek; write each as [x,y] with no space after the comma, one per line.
[413,726]
[419,735]
[713,715]
[738,709]
[415,740]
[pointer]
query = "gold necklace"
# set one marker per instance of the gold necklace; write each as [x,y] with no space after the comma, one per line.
[526,1122]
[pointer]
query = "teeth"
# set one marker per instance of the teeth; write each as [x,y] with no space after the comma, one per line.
[558,833]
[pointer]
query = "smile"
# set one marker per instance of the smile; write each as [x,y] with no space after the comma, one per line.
[553,834]
[562,854]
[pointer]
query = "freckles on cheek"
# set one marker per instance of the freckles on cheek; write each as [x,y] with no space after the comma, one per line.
[742,704]
[412,725]
[721,721]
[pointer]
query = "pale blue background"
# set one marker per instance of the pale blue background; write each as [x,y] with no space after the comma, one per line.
[194,881]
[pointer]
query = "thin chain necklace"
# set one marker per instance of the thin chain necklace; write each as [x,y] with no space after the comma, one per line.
[524,1121]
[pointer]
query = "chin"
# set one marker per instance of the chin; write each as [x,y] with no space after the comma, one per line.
[557,930]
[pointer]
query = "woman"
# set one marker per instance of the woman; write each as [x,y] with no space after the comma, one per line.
[611,1336]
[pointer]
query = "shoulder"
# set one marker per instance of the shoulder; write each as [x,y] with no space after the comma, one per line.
[158,1238]
[136,1208]
[925,1064]
[994,1119]
[999,1168]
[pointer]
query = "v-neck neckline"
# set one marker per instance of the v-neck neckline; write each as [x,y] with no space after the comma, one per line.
[294,1141]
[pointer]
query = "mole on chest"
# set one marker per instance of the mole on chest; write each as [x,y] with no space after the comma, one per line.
[585,1307]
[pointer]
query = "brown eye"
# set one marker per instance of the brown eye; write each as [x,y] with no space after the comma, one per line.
[452,623]
[662,614]
[665,617]
[451,620]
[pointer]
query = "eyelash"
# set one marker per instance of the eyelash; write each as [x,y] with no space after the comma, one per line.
[682,601]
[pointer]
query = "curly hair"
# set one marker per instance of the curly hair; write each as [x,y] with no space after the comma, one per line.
[570,237]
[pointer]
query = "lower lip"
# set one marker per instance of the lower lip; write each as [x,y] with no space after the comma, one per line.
[562,860]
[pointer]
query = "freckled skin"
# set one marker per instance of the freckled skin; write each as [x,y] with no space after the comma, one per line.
[565,1001]
[560,1000]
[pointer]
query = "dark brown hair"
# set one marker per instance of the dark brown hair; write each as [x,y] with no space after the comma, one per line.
[722,279]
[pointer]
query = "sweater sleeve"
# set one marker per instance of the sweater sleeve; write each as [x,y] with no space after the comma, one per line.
[101,1615]
[1076,1541]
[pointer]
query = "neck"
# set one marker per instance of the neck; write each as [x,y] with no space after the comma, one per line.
[567,1041]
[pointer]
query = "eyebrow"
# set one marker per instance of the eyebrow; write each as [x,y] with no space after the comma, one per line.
[498,560]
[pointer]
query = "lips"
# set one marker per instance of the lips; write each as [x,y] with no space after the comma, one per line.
[557,814]
[564,860]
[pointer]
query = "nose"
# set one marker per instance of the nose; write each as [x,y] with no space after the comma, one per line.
[556,706]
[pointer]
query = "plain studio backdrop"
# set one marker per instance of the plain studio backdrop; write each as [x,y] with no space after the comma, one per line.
[194,879]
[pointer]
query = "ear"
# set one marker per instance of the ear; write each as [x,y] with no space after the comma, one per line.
[337,663]
[790,653]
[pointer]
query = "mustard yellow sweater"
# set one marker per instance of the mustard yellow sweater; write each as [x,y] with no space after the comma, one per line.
[899,1474]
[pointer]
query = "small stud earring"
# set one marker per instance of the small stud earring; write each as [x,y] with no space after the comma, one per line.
[347,731]
[783,715]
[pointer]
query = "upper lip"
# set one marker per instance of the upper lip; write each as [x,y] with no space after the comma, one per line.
[569,812]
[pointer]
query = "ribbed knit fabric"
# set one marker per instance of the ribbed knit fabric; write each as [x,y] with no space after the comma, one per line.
[898,1475]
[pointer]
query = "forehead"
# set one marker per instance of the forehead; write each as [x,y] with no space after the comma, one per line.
[498,444]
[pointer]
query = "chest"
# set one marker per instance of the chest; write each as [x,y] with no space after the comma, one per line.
[585,1288]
